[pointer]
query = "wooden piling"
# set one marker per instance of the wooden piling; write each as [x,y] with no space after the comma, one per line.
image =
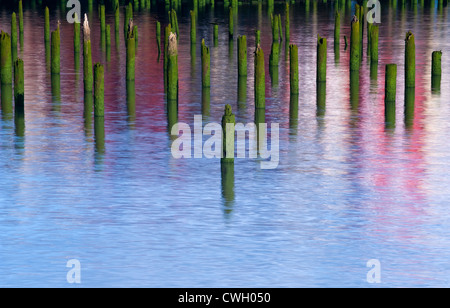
[355,45]
[337,28]
[5,59]
[55,52]
[206,61]
[373,34]
[172,68]
[99,90]
[293,69]
[216,35]
[257,38]
[193,28]
[13,37]
[19,88]
[436,71]
[20,17]
[390,93]
[130,52]
[230,23]
[321,59]
[76,37]
[287,30]
[88,75]
[46,25]
[260,82]
[410,61]
[242,55]
[158,37]
[228,129]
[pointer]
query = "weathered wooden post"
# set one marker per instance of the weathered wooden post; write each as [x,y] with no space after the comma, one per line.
[373,34]
[193,28]
[287,31]
[216,35]
[55,53]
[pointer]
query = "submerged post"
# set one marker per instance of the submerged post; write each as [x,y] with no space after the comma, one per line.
[321,59]
[242,55]
[260,76]
[410,61]
[99,90]
[206,60]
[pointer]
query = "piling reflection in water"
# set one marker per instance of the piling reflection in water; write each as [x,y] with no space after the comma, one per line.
[321,91]
[227,181]
[7,101]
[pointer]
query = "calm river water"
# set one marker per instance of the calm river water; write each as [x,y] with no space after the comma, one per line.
[347,189]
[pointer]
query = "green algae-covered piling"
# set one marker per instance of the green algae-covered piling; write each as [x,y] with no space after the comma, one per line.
[13,36]
[193,28]
[355,45]
[287,31]
[280,28]
[242,55]
[76,37]
[99,90]
[230,23]
[390,91]
[436,71]
[108,36]
[88,76]
[46,25]
[131,99]
[216,35]
[55,52]
[135,33]
[127,16]
[6,101]
[409,107]
[20,17]
[167,31]
[354,90]
[293,69]
[257,38]
[206,101]
[102,20]
[6,68]
[117,22]
[373,34]
[130,52]
[172,68]
[174,23]
[206,61]
[337,28]
[228,129]
[410,61]
[158,38]
[321,59]
[274,57]
[275,28]
[260,79]
[321,91]
[19,88]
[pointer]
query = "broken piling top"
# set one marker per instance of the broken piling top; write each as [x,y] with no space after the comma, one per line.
[436,57]
[86,29]
[172,67]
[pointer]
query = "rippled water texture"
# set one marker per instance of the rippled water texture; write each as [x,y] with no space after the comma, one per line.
[347,189]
